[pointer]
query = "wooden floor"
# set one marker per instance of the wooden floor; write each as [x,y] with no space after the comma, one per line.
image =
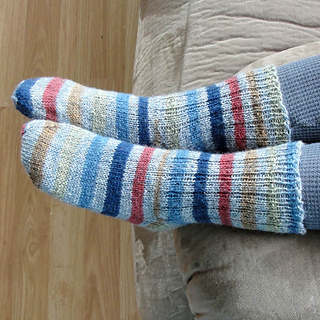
[56,261]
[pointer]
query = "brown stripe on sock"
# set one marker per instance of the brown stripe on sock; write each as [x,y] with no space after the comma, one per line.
[261,132]
[73,107]
[248,206]
[101,107]
[157,190]
[272,193]
[39,153]
[157,139]
[171,118]
[158,225]
[66,158]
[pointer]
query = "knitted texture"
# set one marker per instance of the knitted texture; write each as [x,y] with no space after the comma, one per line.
[243,112]
[162,189]
[300,85]
[310,179]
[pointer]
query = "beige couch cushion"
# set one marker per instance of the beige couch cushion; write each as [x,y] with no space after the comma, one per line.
[187,44]
[236,274]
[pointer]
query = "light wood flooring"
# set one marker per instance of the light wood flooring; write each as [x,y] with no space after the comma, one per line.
[57,261]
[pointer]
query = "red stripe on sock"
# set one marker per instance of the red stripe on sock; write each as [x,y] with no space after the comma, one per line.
[239,124]
[22,132]
[138,186]
[226,170]
[50,96]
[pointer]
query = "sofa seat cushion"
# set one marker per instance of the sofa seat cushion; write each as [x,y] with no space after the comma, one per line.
[183,44]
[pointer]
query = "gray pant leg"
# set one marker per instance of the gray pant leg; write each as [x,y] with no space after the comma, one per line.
[310,180]
[300,87]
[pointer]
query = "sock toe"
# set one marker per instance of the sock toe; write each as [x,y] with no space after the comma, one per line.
[22,97]
[30,135]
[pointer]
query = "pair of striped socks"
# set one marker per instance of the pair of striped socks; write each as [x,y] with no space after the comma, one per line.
[100,150]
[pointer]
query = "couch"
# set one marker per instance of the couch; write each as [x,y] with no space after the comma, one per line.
[218,272]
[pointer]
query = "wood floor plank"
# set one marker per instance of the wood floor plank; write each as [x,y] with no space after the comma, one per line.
[58,261]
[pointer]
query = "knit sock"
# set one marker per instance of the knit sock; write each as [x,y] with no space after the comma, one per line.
[244,112]
[163,189]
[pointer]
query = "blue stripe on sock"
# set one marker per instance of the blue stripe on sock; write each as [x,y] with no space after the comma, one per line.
[113,194]
[200,206]
[216,118]
[144,137]
[176,187]
[90,171]
[22,98]
[122,116]
[195,130]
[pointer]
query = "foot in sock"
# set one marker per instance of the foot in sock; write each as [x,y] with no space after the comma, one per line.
[244,112]
[162,189]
